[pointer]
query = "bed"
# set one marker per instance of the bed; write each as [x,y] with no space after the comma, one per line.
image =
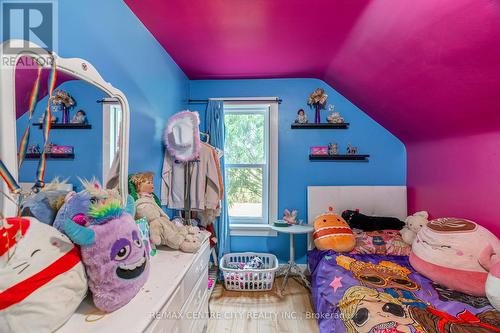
[383,293]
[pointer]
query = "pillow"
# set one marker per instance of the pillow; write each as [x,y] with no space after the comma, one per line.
[116,259]
[356,220]
[42,277]
[386,242]
[331,232]
[447,251]
[44,205]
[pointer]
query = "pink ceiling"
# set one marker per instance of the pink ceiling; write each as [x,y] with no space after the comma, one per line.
[423,69]
[25,77]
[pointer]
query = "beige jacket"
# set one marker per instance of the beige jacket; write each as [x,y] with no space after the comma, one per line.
[204,189]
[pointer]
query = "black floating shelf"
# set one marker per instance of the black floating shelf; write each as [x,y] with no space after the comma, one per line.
[320,126]
[69,156]
[65,126]
[339,157]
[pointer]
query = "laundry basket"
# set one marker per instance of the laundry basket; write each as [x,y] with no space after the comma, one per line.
[254,279]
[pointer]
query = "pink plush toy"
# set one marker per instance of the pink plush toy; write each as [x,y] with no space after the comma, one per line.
[447,251]
[491,262]
[290,217]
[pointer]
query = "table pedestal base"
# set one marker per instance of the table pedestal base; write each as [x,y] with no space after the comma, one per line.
[292,270]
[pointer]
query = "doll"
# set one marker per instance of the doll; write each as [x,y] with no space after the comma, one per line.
[162,230]
[301,117]
[80,118]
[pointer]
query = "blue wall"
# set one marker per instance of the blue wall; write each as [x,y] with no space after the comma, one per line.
[87,143]
[114,40]
[387,165]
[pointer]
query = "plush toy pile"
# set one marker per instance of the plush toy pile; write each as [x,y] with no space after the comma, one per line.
[162,230]
[491,262]
[413,224]
[331,232]
[114,255]
[45,204]
[356,220]
[42,279]
[447,251]
[76,205]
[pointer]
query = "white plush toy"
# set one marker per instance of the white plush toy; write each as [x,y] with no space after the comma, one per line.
[413,225]
[42,279]
[491,262]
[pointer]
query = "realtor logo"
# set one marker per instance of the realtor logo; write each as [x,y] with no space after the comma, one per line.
[33,21]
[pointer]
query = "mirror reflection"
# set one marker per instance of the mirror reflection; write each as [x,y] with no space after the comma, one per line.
[84,136]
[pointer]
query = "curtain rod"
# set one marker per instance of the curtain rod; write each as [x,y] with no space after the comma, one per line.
[108,100]
[204,101]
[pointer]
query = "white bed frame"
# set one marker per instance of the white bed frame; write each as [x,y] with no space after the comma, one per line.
[370,200]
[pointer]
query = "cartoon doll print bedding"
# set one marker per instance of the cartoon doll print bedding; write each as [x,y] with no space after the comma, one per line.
[384,294]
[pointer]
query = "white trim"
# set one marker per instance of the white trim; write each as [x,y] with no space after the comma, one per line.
[271,193]
[76,67]
[252,230]
[273,162]
[105,142]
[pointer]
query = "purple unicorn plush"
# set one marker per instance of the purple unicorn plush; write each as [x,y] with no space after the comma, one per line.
[115,258]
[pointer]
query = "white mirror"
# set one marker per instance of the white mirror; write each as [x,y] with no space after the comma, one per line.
[90,122]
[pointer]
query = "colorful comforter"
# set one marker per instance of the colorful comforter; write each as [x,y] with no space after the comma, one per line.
[378,293]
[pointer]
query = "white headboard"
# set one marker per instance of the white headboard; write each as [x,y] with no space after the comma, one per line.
[370,200]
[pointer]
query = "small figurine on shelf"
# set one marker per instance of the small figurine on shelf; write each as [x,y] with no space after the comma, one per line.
[80,118]
[334,117]
[301,117]
[290,217]
[333,149]
[42,118]
[351,150]
[34,149]
[48,147]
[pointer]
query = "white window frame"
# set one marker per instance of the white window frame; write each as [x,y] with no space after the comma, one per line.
[111,122]
[249,226]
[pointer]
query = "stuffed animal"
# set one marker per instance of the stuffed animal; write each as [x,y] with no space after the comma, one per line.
[356,220]
[290,217]
[76,205]
[447,252]
[413,225]
[491,262]
[42,278]
[162,230]
[114,255]
[331,232]
[45,204]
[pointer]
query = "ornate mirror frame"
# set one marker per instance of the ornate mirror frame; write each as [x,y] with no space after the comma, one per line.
[78,68]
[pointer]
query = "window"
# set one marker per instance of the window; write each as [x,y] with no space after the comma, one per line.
[250,157]
[112,122]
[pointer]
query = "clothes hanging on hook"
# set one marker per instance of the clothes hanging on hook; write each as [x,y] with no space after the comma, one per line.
[204,186]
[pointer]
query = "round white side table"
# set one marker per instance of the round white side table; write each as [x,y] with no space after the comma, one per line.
[291,270]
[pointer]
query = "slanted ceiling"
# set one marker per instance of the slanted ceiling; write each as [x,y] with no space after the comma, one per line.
[424,69]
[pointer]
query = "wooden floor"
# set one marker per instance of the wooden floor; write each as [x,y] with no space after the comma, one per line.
[262,312]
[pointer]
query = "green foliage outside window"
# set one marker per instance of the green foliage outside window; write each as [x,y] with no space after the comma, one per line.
[244,145]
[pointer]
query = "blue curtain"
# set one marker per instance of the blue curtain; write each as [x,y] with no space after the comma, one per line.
[214,122]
